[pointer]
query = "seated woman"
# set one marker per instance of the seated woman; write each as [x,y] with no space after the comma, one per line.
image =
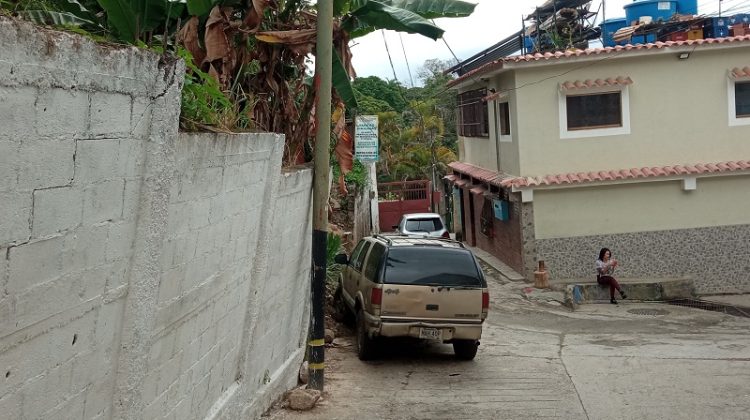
[605,266]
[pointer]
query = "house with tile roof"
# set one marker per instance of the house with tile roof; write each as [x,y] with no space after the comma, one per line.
[644,149]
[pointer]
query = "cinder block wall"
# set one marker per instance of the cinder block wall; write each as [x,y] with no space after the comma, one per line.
[137,271]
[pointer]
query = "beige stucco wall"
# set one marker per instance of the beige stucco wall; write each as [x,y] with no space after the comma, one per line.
[653,206]
[491,153]
[477,151]
[679,114]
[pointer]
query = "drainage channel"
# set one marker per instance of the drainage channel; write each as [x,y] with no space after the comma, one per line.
[711,306]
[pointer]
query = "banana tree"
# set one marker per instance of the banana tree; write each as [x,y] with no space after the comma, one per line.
[258,50]
[355,18]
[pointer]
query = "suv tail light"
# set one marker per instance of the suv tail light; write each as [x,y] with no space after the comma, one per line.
[446,235]
[485,303]
[376,296]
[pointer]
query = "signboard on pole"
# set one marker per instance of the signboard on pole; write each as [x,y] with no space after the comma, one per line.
[366,143]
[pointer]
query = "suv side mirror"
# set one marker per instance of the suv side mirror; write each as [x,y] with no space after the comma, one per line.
[341,259]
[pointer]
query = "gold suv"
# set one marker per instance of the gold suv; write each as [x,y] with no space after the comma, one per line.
[406,286]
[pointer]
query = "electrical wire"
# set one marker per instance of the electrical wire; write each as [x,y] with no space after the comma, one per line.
[382,31]
[586,65]
[408,68]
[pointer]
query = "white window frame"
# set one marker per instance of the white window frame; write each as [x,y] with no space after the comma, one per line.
[503,138]
[594,132]
[732,106]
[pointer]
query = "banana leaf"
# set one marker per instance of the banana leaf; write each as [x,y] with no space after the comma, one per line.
[341,7]
[47,17]
[431,9]
[200,7]
[342,83]
[122,18]
[375,15]
[78,9]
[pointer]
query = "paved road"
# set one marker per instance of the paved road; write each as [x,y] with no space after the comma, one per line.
[541,361]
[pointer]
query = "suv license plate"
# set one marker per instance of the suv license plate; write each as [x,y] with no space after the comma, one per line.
[431,333]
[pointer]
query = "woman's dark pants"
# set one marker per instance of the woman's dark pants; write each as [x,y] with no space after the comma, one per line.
[613,284]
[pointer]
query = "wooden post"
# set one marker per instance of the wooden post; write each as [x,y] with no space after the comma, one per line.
[541,277]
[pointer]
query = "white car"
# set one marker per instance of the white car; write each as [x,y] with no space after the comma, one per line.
[425,224]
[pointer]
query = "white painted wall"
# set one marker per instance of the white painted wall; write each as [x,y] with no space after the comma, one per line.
[678,113]
[145,274]
[651,206]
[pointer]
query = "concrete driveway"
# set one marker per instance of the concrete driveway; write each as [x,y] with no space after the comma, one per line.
[538,360]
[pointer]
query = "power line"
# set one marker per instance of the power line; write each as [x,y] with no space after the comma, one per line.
[589,64]
[406,59]
[382,31]
[446,44]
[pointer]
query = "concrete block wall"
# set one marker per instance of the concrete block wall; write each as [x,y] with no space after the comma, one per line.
[71,160]
[135,262]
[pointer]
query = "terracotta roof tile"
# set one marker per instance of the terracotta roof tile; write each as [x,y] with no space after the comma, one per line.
[478,189]
[587,84]
[633,173]
[617,49]
[481,174]
[741,73]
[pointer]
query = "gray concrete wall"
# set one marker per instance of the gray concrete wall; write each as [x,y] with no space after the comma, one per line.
[714,257]
[144,274]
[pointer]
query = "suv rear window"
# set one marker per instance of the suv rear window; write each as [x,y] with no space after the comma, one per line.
[423,225]
[431,266]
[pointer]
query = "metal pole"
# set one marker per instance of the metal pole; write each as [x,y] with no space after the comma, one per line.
[323,65]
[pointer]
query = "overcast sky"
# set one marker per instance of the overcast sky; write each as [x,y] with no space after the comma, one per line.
[492,21]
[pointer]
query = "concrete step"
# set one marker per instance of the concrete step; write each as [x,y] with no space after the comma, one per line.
[580,291]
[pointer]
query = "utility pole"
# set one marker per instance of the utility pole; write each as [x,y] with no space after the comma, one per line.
[321,183]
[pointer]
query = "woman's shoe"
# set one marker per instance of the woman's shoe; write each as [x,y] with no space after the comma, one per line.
[613,301]
[624,296]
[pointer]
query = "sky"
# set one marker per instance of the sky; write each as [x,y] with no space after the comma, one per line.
[492,21]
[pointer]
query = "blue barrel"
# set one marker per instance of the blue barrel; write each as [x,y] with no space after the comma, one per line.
[609,27]
[687,7]
[657,9]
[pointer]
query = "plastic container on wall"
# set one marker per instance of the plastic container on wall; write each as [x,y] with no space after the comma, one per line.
[658,10]
[738,19]
[609,27]
[716,28]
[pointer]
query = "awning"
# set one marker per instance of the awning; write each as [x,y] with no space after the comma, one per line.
[461,182]
[478,189]
[588,84]
[480,174]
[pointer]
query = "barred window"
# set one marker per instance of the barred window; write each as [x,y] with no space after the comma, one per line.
[473,119]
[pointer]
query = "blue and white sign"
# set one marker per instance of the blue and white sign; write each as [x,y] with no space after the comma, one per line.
[366,144]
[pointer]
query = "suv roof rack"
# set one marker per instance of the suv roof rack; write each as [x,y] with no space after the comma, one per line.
[388,240]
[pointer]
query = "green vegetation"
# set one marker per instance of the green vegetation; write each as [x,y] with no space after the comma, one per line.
[334,246]
[254,53]
[416,125]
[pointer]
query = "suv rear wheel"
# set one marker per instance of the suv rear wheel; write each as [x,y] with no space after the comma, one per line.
[365,344]
[465,349]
